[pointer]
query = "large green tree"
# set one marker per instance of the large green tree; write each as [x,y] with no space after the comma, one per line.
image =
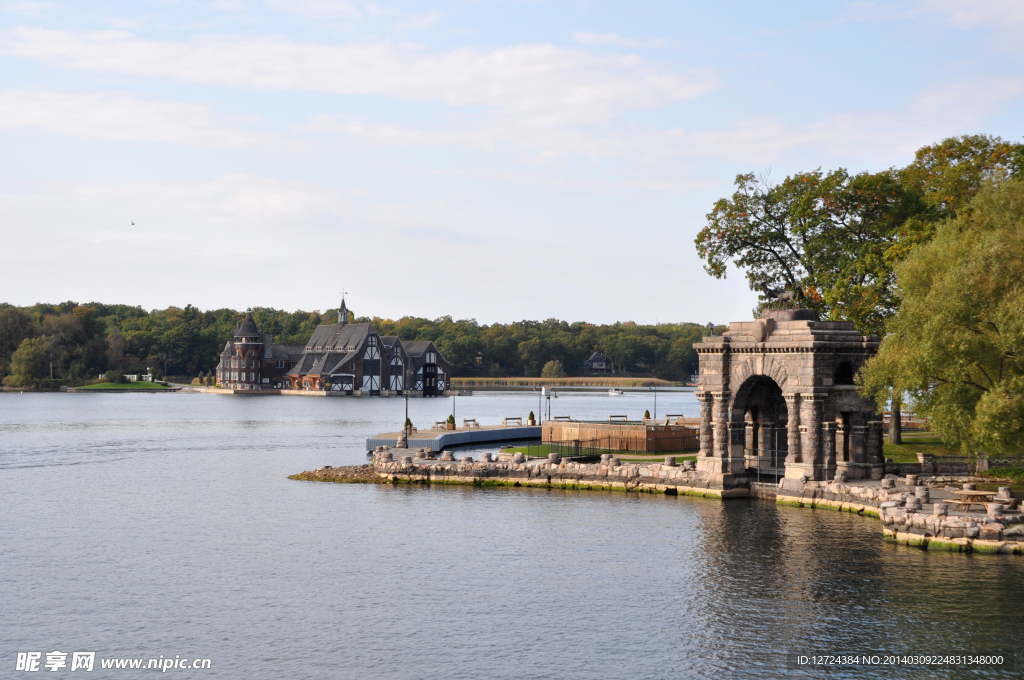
[956,342]
[838,236]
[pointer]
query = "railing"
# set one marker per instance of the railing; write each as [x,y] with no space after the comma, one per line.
[470,422]
[518,421]
[680,442]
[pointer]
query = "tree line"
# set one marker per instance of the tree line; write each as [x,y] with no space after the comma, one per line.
[68,343]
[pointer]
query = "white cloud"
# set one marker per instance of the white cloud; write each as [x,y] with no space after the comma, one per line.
[616,40]
[125,118]
[543,82]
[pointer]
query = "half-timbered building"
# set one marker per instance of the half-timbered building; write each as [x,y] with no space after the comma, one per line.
[341,358]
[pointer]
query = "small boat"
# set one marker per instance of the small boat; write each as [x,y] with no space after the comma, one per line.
[613,392]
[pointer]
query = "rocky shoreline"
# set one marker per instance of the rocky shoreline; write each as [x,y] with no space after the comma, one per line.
[915,510]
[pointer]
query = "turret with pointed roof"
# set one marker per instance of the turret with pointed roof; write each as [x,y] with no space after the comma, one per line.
[342,313]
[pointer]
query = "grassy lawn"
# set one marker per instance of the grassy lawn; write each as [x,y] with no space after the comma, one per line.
[586,381]
[915,442]
[138,385]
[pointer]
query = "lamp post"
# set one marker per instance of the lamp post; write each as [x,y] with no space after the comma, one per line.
[405,393]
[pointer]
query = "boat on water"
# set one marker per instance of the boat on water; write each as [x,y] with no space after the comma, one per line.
[613,392]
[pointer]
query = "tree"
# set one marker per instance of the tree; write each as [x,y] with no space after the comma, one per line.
[15,325]
[553,369]
[956,342]
[31,362]
[838,236]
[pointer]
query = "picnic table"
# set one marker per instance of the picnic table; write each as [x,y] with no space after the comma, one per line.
[965,499]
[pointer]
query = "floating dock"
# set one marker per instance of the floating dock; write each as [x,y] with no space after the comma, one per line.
[436,440]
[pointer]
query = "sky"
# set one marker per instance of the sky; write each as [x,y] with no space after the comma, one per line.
[498,160]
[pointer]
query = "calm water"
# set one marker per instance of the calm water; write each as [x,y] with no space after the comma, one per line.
[139,525]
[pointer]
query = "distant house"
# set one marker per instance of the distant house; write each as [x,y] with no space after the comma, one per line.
[345,358]
[597,364]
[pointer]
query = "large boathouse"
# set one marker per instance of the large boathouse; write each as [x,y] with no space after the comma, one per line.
[341,358]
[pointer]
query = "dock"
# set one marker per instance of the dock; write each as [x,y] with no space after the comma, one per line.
[436,440]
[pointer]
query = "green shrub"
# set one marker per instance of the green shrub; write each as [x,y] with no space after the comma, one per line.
[531,416]
[451,419]
[647,414]
[408,425]
[116,377]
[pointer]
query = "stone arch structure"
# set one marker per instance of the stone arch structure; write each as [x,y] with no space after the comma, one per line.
[828,427]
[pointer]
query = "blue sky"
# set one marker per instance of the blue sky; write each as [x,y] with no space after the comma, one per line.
[497,161]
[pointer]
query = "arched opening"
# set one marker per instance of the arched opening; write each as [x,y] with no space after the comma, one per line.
[759,405]
[843,374]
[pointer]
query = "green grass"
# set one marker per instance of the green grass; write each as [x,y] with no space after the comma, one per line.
[138,385]
[915,442]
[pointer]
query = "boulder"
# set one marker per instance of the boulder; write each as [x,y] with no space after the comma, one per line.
[554,457]
[407,460]
[911,480]
[467,459]
[940,510]
[485,457]
[518,458]
[841,476]
[922,493]
[447,455]
[888,483]
[913,503]
[670,461]
[1005,493]
[614,462]
[689,465]
[995,509]
[970,486]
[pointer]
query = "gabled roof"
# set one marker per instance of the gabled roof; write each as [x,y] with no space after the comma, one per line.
[339,336]
[595,357]
[289,352]
[389,340]
[339,362]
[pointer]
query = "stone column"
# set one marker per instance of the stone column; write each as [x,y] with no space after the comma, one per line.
[737,462]
[752,448]
[810,435]
[793,427]
[858,449]
[828,446]
[720,460]
[875,457]
[706,433]
[721,424]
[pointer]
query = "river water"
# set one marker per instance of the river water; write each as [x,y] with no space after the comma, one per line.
[140,525]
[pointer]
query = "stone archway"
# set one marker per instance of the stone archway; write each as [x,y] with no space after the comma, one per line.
[803,358]
[760,406]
